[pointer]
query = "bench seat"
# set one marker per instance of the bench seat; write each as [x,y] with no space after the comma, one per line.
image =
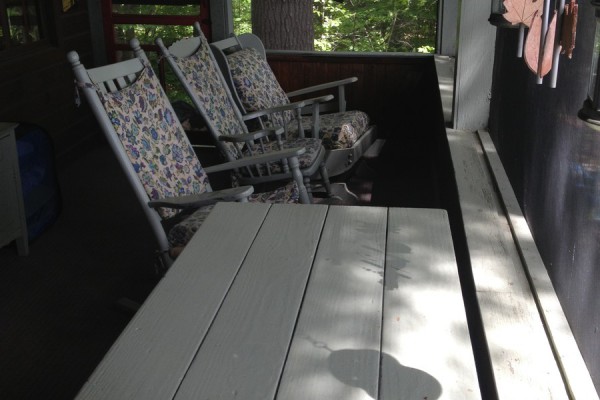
[532,350]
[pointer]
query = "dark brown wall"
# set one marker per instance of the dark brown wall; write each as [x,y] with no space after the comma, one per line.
[400,93]
[553,161]
[36,85]
[393,89]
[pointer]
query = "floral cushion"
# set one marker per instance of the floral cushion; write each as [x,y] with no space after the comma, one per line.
[256,85]
[182,232]
[285,194]
[202,76]
[154,140]
[337,130]
[258,89]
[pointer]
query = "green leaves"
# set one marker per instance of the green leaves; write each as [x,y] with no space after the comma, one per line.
[375,25]
[364,25]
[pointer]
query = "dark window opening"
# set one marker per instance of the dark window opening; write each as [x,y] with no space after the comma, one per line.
[21,23]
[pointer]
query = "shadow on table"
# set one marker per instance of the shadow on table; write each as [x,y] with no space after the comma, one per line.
[405,382]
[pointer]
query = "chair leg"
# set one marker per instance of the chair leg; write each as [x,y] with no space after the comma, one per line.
[308,188]
[325,177]
[305,197]
[286,167]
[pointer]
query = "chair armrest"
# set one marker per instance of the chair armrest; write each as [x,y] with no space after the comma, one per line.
[320,99]
[257,159]
[300,107]
[203,199]
[328,85]
[251,136]
[284,107]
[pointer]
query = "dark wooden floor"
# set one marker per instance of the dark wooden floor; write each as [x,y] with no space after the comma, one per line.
[57,305]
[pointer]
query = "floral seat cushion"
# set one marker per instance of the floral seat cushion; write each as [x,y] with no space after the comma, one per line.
[337,130]
[182,232]
[258,89]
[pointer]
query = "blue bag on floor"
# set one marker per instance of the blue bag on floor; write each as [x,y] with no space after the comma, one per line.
[39,181]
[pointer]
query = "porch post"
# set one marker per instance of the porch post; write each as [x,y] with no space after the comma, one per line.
[474,65]
[221,16]
[447,27]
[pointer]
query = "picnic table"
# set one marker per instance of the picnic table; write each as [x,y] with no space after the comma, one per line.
[301,302]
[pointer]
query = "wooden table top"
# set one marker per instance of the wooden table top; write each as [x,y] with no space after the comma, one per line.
[301,302]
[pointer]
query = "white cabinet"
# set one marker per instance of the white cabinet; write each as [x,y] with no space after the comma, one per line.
[12,212]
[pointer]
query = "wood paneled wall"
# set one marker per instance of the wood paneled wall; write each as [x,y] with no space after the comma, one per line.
[394,89]
[36,85]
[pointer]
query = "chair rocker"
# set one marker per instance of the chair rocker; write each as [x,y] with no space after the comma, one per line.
[346,134]
[143,131]
[194,65]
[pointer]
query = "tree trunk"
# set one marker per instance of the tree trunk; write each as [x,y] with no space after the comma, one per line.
[284,24]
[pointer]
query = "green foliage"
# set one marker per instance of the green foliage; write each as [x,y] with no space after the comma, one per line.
[364,25]
[138,9]
[146,34]
[242,20]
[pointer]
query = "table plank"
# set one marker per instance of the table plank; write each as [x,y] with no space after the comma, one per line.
[335,351]
[152,354]
[426,348]
[243,355]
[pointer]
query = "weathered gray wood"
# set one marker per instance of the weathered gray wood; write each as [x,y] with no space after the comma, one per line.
[185,47]
[153,353]
[426,348]
[522,359]
[335,351]
[109,72]
[375,149]
[243,355]
[260,287]
[578,380]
